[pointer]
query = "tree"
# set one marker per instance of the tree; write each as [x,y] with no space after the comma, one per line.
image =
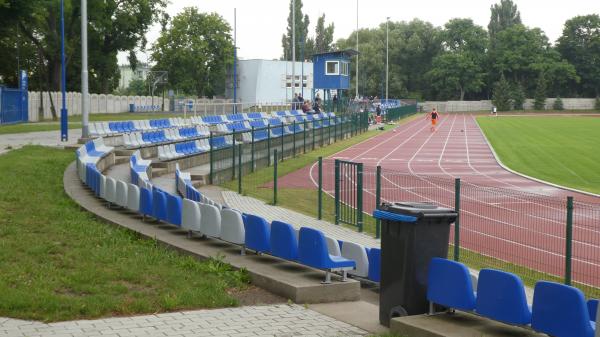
[540,94]
[456,72]
[558,104]
[502,93]
[302,23]
[518,96]
[114,26]
[503,15]
[580,45]
[196,49]
[521,54]
[460,66]
[323,36]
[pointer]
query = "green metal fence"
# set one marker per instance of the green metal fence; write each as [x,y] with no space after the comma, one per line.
[536,236]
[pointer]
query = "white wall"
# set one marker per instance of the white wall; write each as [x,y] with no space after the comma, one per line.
[486,105]
[99,103]
[265,80]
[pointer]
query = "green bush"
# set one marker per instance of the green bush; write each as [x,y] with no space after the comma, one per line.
[501,96]
[540,94]
[558,104]
[518,97]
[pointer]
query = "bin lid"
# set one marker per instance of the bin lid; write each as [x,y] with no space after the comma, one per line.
[418,209]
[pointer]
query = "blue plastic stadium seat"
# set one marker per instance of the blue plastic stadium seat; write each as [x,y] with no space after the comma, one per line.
[275,121]
[257,124]
[593,309]
[561,311]
[375,264]
[174,209]
[257,233]
[281,113]
[312,251]
[146,202]
[284,243]
[235,117]
[159,205]
[501,296]
[449,284]
[91,149]
[254,115]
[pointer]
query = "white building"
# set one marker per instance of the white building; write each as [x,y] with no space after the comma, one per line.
[270,81]
[128,74]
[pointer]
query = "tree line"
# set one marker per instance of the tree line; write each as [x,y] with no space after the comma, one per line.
[462,60]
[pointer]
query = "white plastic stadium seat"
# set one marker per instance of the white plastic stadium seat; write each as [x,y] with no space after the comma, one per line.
[110,192]
[99,145]
[210,222]
[121,198]
[133,197]
[358,254]
[333,246]
[103,186]
[191,216]
[232,227]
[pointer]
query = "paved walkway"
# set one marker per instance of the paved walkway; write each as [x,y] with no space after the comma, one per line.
[46,138]
[274,320]
[254,206]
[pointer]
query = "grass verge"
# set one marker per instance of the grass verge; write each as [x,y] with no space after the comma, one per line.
[75,121]
[59,262]
[561,150]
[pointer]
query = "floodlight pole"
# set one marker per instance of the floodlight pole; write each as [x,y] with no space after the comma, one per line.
[234,59]
[293,51]
[85,106]
[387,57]
[64,114]
[356,49]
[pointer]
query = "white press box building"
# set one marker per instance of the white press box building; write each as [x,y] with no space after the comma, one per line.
[266,81]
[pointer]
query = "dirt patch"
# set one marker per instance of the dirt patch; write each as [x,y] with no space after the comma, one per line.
[256,296]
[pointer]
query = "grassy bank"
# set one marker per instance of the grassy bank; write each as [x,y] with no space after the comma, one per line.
[59,262]
[561,150]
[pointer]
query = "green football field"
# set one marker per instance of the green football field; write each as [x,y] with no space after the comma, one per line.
[561,150]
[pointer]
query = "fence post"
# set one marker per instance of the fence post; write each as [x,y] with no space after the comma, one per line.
[320,190]
[322,134]
[329,131]
[569,241]
[233,156]
[210,154]
[457,222]
[337,192]
[313,135]
[252,152]
[304,136]
[294,139]
[359,199]
[269,144]
[275,177]
[240,169]
[377,200]
[282,137]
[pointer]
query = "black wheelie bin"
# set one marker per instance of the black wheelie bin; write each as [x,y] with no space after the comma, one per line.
[412,233]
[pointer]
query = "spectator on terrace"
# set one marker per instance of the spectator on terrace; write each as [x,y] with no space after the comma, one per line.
[306,107]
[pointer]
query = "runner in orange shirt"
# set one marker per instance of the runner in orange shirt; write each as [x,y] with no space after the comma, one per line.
[433,115]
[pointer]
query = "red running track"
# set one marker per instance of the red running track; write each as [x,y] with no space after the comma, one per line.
[503,215]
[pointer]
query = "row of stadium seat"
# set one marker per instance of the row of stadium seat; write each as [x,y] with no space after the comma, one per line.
[140,139]
[558,310]
[121,127]
[281,240]
[138,167]
[90,153]
[178,150]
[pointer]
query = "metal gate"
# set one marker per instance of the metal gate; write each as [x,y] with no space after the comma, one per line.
[14,102]
[348,193]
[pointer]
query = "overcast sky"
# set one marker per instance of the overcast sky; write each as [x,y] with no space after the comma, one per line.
[260,23]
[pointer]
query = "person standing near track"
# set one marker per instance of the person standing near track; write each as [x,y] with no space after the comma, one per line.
[433,115]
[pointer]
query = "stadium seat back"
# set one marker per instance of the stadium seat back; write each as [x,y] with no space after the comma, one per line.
[501,296]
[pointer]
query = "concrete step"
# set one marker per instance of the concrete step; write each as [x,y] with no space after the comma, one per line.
[123,152]
[157,172]
[121,160]
[160,165]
